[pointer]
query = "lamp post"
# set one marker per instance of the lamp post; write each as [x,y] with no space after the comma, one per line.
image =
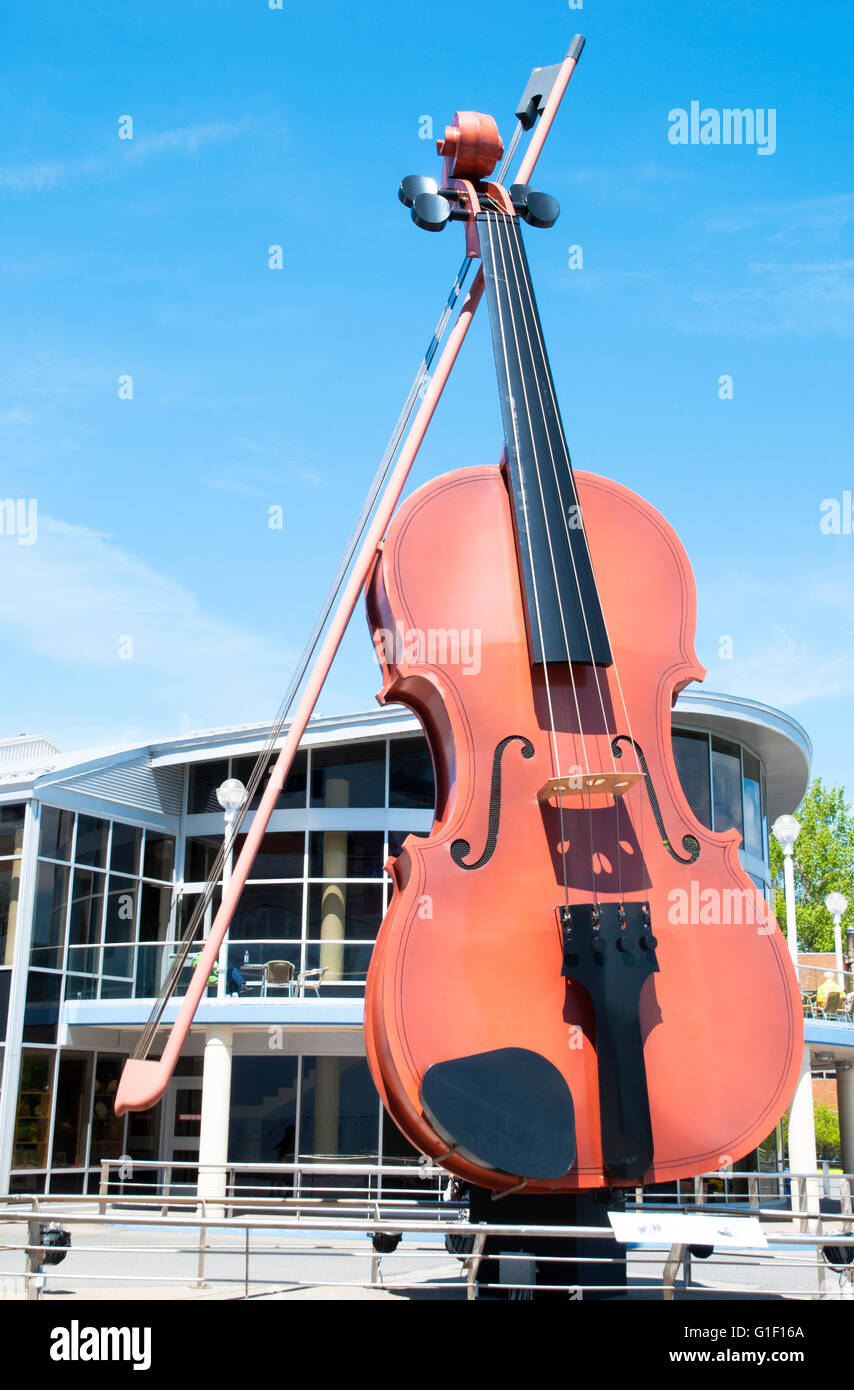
[230,795]
[216,1071]
[786,830]
[836,903]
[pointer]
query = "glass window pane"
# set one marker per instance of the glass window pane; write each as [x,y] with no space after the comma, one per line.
[344,911]
[154,912]
[5,986]
[345,854]
[340,1109]
[11,828]
[41,1011]
[152,960]
[726,782]
[143,1141]
[56,829]
[410,779]
[397,837]
[201,851]
[752,805]
[84,928]
[49,916]
[91,841]
[272,912]
[33,1116]
[72,1098]
[262,1118]
[281,855]
[292,795]
[159,856]
[81,987]
[10,882]
[203,782]
[124,853]
[120,959]
[344,967]
[121,909]
[107,1128]
[353,776]
[691,754]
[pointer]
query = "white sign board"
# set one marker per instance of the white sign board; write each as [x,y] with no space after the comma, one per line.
[669,1228]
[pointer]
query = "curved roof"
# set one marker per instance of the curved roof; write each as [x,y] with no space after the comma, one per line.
[776,738]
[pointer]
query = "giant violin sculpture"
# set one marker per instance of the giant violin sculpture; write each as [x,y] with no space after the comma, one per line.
[538,1013]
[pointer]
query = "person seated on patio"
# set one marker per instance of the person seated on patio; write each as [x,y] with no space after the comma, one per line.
[829,996]
[235,978]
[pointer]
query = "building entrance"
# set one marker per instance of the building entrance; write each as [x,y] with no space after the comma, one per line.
[180,1131]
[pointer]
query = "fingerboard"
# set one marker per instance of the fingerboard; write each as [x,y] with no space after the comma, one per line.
[563,610]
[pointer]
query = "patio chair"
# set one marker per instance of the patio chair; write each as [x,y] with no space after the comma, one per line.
[279,973]
[310,979]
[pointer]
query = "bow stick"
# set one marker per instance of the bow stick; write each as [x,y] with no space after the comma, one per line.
[144,1081]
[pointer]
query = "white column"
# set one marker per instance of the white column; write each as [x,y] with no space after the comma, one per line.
[18,991]
[216,1105]
[791,915]
[845,1101]
[802,1155]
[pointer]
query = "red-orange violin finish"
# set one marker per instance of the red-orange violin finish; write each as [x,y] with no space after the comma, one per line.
[470,962]
[546,1006]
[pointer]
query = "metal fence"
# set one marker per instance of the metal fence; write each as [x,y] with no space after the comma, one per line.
[337,1242]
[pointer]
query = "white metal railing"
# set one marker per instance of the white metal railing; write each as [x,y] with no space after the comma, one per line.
[115,1227]
[306,1181]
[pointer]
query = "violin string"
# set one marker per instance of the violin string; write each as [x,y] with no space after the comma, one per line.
[544,373]
[500,222]
[515,256]
[615,662]
[490,222]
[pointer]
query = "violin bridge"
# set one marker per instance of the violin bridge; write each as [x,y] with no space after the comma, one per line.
[614,784]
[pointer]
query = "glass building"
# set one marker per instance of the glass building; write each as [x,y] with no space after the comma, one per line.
[101,862]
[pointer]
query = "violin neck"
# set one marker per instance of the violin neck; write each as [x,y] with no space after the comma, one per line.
[563,610]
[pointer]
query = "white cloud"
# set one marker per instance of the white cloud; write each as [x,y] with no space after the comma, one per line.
[77,594]
[770,664]
[187,140]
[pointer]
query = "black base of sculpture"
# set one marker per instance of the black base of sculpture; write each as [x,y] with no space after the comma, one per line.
[557,1260]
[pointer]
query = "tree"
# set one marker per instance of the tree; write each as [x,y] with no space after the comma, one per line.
[824,863]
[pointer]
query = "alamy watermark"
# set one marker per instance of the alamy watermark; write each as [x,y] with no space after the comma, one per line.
[837,517]
[728,126]
[82,1343]
[438,646]
[710,907]
[19,517]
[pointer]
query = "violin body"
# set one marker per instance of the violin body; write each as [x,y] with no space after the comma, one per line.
[471,959]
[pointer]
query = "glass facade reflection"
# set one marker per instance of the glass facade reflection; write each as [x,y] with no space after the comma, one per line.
[724,784]
[110,900]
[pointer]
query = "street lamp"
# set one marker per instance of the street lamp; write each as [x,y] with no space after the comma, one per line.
[786,830]
[231,795]
[836,903]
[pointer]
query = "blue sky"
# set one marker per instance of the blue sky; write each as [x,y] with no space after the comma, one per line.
[254,387]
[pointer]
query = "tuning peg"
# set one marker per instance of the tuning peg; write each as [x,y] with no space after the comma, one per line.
[430,211]
[537,209]
[414,184]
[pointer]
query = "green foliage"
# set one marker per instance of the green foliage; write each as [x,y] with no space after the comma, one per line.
[824,863]
[827,1142]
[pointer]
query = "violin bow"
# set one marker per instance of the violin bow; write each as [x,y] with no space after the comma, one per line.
[143,1081]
